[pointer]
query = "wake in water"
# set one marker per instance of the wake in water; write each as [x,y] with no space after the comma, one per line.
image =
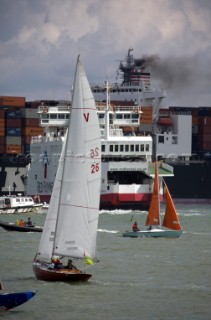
[107,231]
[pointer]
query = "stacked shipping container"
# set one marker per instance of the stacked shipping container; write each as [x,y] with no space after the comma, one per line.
[17,125]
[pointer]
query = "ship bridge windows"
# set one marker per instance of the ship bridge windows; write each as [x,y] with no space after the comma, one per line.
[126,148]
[67,116]
[102,148]
[116,148]
[161,139]
[111,148]
[142,147]
[132,148]
[45,116]
[53,116]
[61,116]
[118,116]
[137,147]
[174,140]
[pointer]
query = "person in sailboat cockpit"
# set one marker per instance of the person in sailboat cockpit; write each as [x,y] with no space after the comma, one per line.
[135,227]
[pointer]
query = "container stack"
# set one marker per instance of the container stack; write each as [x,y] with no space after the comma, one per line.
[31,127]
[146,119]
[204,130]
[11,125]
[13,132]
[2,132]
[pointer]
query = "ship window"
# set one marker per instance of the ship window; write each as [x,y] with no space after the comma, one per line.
[142,147]
[160,139]
[121,148]
[126,148]
[17,200]
[7,201]
[137,147]
[147,147]
[118,116]
[45,116]
[111,147]
[61,116]
[103,148]
[135,115]
[127,116]
[100,115]
[116,148]
[67,116]
[174,139]
[53,116]
[35,177]
[132,147]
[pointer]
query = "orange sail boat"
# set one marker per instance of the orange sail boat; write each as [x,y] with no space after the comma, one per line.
[171,224]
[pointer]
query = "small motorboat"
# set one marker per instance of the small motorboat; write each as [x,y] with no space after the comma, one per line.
[18,204]
[10,226]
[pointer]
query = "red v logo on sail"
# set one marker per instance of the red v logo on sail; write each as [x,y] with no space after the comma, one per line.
[86,117]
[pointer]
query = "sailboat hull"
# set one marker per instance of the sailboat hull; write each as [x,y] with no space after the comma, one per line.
[156,233]
[42,272]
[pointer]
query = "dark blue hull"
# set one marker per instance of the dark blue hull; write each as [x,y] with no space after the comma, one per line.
[11,300]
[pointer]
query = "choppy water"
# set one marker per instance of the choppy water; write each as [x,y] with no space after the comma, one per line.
[139,278]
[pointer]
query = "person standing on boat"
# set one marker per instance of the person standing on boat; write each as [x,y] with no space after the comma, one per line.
[29,222]
[135,227]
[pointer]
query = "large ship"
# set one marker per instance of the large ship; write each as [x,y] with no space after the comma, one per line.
[135,129]
[127,148]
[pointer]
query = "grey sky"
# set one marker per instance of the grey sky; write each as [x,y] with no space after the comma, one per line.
[40,41]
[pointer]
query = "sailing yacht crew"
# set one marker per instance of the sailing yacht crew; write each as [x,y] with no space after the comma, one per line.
[135,227]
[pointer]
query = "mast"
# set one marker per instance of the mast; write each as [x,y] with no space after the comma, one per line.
[107,112]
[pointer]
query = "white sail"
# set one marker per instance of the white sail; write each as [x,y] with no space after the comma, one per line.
[74,208]
[47,238]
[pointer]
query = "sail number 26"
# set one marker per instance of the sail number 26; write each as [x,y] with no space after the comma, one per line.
[95,166]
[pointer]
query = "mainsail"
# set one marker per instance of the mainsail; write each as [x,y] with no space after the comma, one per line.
[71,224]
[153,217]
[171,220]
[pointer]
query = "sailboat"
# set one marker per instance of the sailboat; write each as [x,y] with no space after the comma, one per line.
[70,228]
[170,222]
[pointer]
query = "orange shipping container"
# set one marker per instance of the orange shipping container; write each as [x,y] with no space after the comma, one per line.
[195,121]
[30,122]
[13,149]
[2,123]
[2,132]
[13,123]
[6,101]
[33,131]
[204,121]
[1,114]
[2,148]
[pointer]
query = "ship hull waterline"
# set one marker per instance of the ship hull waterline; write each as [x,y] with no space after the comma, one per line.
[118,201]
[158,233]
[64,275]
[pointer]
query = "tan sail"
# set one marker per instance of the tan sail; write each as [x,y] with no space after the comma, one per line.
[171,220]
[153,217]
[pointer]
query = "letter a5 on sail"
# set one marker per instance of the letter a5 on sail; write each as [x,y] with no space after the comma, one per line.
[70,229]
